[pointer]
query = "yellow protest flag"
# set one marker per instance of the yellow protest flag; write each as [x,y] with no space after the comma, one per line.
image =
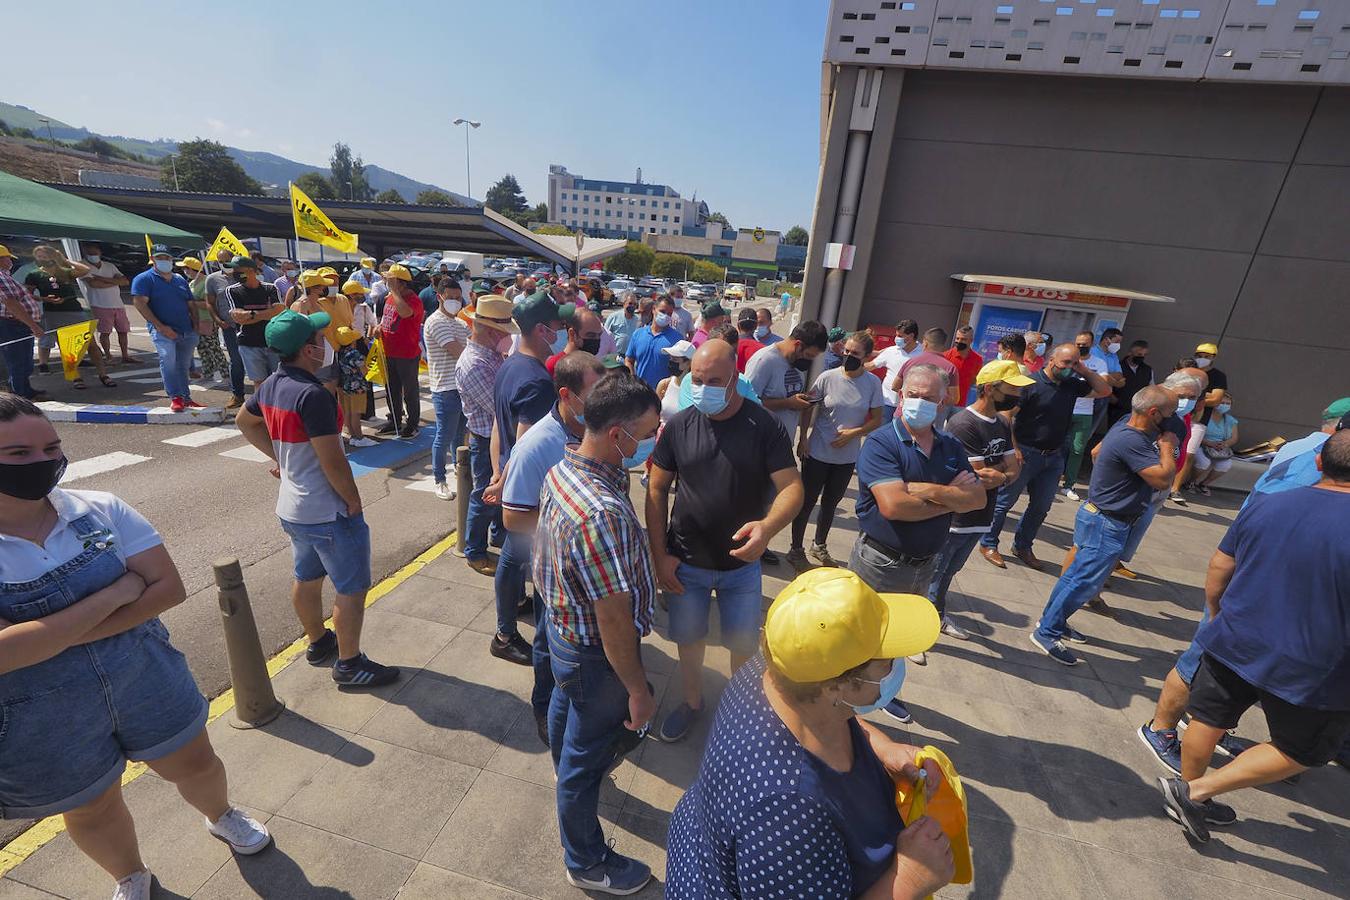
[149,251]
[73,340]
[227,241]
[376,365]
[312,225]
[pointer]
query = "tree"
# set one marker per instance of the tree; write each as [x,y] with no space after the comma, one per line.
[538,214]
[434,197]
[718,217]
[206,165]
[796,236]
[389,196]
[349,174]
[673,265]
[706,272]
[316,186]
[553,229]
[506,197]
[636,259]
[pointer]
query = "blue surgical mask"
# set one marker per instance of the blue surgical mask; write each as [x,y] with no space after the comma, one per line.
[641,452]
[559,342]
[761,332]
[890,688]
[1185,405]
[1223,408]
[709,399]
[163,265]
[661,320]
[94,259]
[918,412]
[1040,349]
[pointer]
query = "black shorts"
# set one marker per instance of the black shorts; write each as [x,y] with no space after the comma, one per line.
[1310,737]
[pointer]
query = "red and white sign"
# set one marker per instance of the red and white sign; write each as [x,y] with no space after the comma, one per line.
[992,290]
[839,256]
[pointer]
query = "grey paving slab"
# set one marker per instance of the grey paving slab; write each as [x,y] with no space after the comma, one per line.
[431,883]
[14,890]
[1011,861]
[266,766]
[449,602]
[309,863]
[1134,878]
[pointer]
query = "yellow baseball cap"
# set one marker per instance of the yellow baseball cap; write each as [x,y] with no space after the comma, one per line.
[329,273]
[354,287]
[399,272]
[4,251]
[828,621]
[1208,347]
[1004,370]
[190,262]
[368,259]
[346,335]
[310,278]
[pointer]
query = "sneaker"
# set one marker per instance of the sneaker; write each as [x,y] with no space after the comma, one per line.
[1100,607]
[919,659]
[677,723]
[618,874]
[386,428]
[1216,813]
[135,886]
[245,834]
[362,441]
[1124,571]
[44,368]
[541,727]
[1074,636]
[484,566]
[898,711]
[769,558]
[177,405]
[444,491]
[1176,498]
[361,672]
[821,554]
[1202,490]
[322,651]
[797,559]
[408,432]
[193,404]
[195,374]
[1230,745]
[1177,804]
[235,402]
[514,649]
[1054,649]
[1165,744]
[952,630]
[1071,494]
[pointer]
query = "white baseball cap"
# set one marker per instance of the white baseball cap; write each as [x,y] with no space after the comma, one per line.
[682,349]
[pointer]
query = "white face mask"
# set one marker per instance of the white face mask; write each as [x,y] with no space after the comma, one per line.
[94,259]
[1203,362]
[451,306]
[1113,347]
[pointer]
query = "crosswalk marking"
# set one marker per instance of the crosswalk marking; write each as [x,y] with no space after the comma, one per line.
[203,436]
[97,465]
[248,453]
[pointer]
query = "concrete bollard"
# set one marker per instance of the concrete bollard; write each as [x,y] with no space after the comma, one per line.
[463,487]
[255,703]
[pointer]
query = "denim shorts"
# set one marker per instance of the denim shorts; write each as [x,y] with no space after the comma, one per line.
[339,549]
[1189,661]
[739,605]
[259,362]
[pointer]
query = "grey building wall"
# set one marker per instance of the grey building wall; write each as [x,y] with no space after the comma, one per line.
[1229,197]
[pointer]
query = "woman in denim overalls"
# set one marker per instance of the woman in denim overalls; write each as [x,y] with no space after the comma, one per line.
[88,678]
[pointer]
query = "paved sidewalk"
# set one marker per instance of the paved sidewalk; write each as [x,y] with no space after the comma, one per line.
[438,786]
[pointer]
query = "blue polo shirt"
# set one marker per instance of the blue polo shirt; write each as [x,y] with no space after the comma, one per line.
[890,454]
[644,348]
[1110,360]
[523,391]
[1116,487]
[1284,624]
[1294,466]
[538,450]
[168,299]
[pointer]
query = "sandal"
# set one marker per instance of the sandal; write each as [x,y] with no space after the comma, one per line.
[107,382]
[79,384]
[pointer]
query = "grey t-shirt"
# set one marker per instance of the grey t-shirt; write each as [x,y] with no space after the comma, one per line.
[217,284]
[773,378]
[846,403]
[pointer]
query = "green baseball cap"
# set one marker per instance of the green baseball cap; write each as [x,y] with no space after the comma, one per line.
[567,313]
[1336,410]
[713,310]
[243,262]
[535,309]
[612,361]
[289,331]
[837,334]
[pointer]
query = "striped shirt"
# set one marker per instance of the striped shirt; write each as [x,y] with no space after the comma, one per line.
[437,331]
[475,376]
[12,290]
[590,545]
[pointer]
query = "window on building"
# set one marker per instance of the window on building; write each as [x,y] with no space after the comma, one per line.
[609,199]
[608,212]
[667,204]
[642,203]
[677,220]
[630,215]
[665,218]
[586,197]
[663,231]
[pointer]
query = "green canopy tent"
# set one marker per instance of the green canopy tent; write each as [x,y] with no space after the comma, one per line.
[32,209]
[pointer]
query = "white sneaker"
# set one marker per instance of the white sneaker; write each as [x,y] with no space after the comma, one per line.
[1071,494]
[952,630]
[919,659]
[362,442]
[444,491]
[245,834]
[135,886]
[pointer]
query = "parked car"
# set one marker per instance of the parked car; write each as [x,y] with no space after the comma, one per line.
[734,293]
[619,286]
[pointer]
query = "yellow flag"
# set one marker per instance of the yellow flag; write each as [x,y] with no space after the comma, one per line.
[227,241]
[311,224]
[149,251]
[73,340]
[375,363]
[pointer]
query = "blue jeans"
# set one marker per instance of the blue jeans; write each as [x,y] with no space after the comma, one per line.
[175,359]
[1100,539]
[482,516]
[588,707]
[512,567]
[739,605]
[1138,530]
[449,430]
[18,356]
[1039,477]
[231,336]
[259,362]
[541,659]
[950,559]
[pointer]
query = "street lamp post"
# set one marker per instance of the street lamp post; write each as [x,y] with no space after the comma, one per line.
[468,181]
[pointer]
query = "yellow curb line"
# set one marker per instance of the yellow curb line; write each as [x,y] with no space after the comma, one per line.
[37,836]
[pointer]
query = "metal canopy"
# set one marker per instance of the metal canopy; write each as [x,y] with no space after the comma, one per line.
[382,227]
[1070,286]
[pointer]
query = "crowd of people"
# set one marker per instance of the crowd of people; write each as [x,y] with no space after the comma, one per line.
[737,434]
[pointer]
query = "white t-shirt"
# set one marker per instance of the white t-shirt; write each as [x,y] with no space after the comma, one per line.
[439,330]
[892,358]
[363,318]
[1083,405]
[103,297]
[123,528]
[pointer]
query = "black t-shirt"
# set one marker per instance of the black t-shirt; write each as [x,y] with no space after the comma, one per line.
[46,286]
[1136,378]
[988,443]
[1217,380]
[262,297]
[725,470]
[1047,409]
[522,391]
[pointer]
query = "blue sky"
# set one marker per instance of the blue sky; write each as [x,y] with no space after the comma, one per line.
[715,96]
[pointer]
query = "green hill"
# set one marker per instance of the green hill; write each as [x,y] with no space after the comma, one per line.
[23,117]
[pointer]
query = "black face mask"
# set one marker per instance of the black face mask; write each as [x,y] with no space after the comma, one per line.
[675,367]
[961,346]
[802,365]
[1084,351]
[1005,403]
[31,481]
[591,345]
[852,363]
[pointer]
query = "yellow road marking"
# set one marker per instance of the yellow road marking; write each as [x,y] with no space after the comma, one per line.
[37,836]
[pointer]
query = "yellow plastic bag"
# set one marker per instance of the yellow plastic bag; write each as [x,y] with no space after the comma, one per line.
[947,806]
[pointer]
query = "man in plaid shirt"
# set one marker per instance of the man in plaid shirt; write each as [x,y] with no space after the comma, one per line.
[593,571]
[476,375]
[20,323]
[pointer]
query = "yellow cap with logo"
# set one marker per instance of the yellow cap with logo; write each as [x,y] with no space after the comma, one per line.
[399,272]
[828,621]
[354,287]
[310,278]
[329,274]
[1004,370]
[1208,347]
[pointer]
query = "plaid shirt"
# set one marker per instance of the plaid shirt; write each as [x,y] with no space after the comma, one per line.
[12,290]
[590,545]
[475,375]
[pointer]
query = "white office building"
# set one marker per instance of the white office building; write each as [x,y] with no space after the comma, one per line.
[619,209]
